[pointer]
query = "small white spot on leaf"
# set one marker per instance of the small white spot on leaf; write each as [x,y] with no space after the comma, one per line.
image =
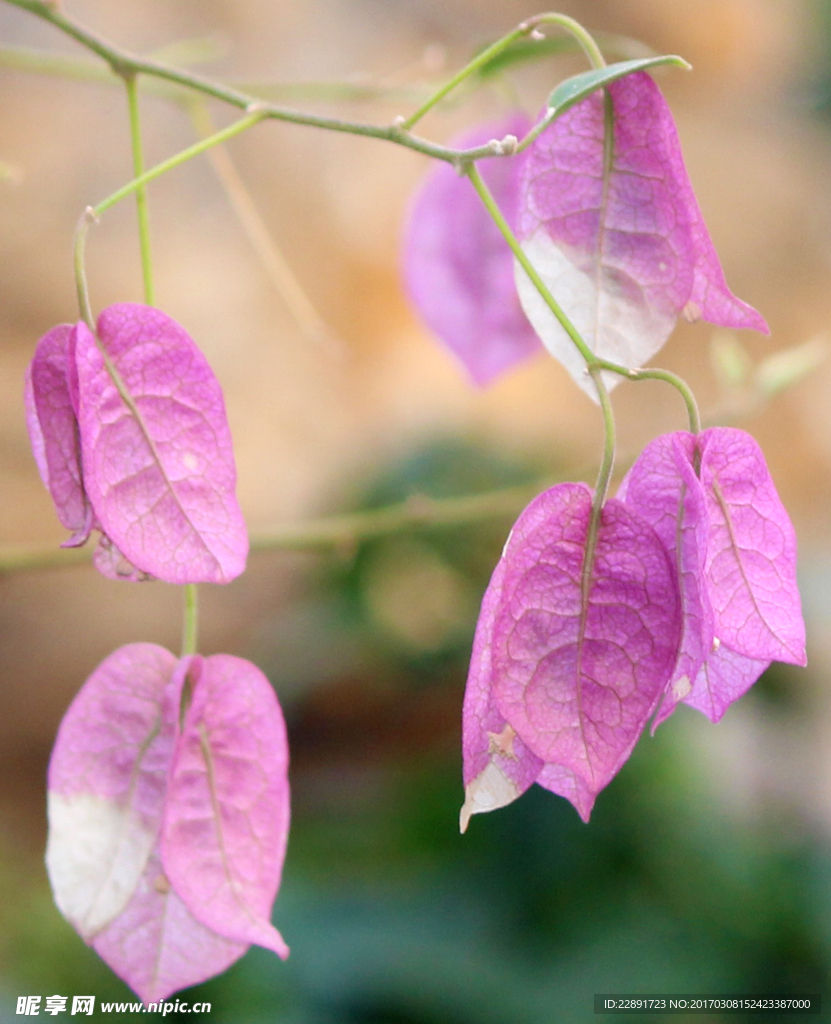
[681,687]
[503,742]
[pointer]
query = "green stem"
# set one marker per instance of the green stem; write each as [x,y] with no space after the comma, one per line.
[583,37]
[191,611]
[480,60]
[469,69]
[131,81]
[158,170]
[92,213]
[472,172]
[124,63]
[604,474]
[653,373]
[595,518]
[81,286]
[343,531]
[189,631]
[601,489]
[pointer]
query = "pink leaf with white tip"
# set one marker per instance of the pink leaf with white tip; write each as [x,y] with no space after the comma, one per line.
[616,233]
[497,766]
[157,458]
[227,813]
[577,669]
[107,780]
[459,268]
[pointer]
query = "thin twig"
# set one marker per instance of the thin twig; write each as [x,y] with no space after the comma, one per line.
[125,63]
[328,532]
[82,69]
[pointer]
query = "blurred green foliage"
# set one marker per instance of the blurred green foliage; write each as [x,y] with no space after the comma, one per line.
[392,916]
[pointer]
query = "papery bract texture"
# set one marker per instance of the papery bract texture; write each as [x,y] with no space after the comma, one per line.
[157,456]
[459,269]
[735,552]
[128,815]
[227,814]
[617,236]
[157,946]
[51,418]
[751,551]
[576,671]
[723,678]
[107,781]
[662,488]
[497,766]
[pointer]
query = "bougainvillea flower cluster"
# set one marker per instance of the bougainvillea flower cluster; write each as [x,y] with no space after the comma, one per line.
[686,593]
[131,438]
[168,791]
[612,228]
[169,815]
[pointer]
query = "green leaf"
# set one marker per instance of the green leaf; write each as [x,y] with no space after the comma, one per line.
[572,90]
[521,51]
[731,361]
[789,366]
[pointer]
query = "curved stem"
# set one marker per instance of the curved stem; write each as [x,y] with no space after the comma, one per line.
[602,486]
[131,82]
[604,474]
[94,212]
[124,63]
[582,35]
[469,69]
[139,182]
[189,630]
[190,622]
[81,286]
[526,28]
[654,373]
[472,172]
[342,531]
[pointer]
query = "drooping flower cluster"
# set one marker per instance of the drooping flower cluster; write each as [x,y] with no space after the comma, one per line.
[684,588]
[621,245]
[624,247]
[129,432]
[687,593]
[169,815]
[168,790]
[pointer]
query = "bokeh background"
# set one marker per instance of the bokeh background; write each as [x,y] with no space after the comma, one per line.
[707,863]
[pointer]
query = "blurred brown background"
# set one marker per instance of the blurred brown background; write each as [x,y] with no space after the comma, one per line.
[316,422]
